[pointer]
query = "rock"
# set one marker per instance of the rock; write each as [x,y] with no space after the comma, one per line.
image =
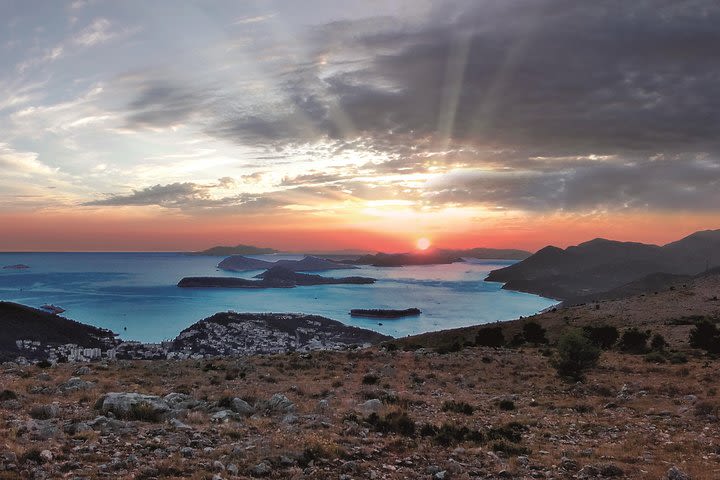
[323,405]
[46,456]
[45,412]
[180,401]
[187,452]
[676,474]
[280,403]
[224,416]
[218,466]
[371,406]
[135,406]
[179,425]
[261,470]
[75,384]
[107,425]
[441,475]
[83,371]
[77,427]
[43,429]
[569,464]
[610,470]
[233,469]
[242,407]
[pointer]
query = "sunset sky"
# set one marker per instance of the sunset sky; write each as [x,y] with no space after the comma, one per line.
[311,125]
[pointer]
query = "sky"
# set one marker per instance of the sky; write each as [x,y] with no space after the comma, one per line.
[177,125]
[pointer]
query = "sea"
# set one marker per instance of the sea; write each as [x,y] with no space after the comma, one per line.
[136,294]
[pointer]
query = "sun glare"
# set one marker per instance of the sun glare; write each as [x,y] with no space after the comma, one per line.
[423,244]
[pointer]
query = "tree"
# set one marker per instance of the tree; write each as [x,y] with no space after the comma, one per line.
[705,335]
[490,337]
[604,336]
[634,341]
[533,332]
[576,355]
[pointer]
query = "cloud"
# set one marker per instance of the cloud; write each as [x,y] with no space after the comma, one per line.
[96,33]
[17,163]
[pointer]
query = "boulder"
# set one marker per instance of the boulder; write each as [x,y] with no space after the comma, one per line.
[135,406]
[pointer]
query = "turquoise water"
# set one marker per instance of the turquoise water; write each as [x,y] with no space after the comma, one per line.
[135,294]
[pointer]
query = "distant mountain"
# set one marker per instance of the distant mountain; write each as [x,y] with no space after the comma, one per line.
[222,251]
[491,253]
[435,257]
[601,265]
[239,263]
[275,277]
[18,322]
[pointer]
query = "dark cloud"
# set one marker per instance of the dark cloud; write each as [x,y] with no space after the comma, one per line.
[575,105]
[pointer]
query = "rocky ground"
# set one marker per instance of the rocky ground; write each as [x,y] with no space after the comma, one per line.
[477,413]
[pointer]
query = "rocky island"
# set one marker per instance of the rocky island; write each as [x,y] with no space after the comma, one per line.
[224,251]
[275,277]
[384,313]
[255,333]
[239,263]
[19,266]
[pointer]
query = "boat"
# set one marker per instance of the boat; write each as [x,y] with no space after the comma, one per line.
[52,308]
[19,266]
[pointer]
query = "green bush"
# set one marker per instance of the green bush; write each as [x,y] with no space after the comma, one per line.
[393,422]
[533,332]
[705,335]
[576,355]
[506,405]
[604,336]
[458,407]
[655,357]
[658,343]
[634,341]
[490,337]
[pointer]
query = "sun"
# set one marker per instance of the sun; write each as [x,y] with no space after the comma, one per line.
[423,243]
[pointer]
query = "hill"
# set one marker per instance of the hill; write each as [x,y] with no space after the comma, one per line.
[18,322]
[236,334]
[238,263]
[601,265]
[224,251]
[275,277]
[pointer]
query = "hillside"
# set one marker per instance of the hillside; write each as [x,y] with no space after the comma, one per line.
[601,265]
[18,322]
[224,251]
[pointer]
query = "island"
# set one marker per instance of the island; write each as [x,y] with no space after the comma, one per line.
[239,263]
[384,313]
[435,257]
[237,334]
[19,266]
[224,251]
[275,277]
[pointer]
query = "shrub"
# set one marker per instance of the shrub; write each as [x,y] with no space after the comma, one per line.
[7,395]
[490,337]
[506,405]
[658,343]
[604,336]
[449,348]
[44,364]
[393,422]
[705,335]
[655,357]
[370,379]
[533,332]
[143,412]
[449,434]
[634,341]
[576,355]
[458,407]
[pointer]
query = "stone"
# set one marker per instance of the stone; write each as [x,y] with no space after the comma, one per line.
[135,406]
[676,474]
[46,456]
[261,470]
[371,406]
[224,416]
[75,384]
[242,407]
[280,403]
[83,371]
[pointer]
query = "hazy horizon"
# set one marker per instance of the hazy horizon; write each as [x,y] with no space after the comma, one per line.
[175,126]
